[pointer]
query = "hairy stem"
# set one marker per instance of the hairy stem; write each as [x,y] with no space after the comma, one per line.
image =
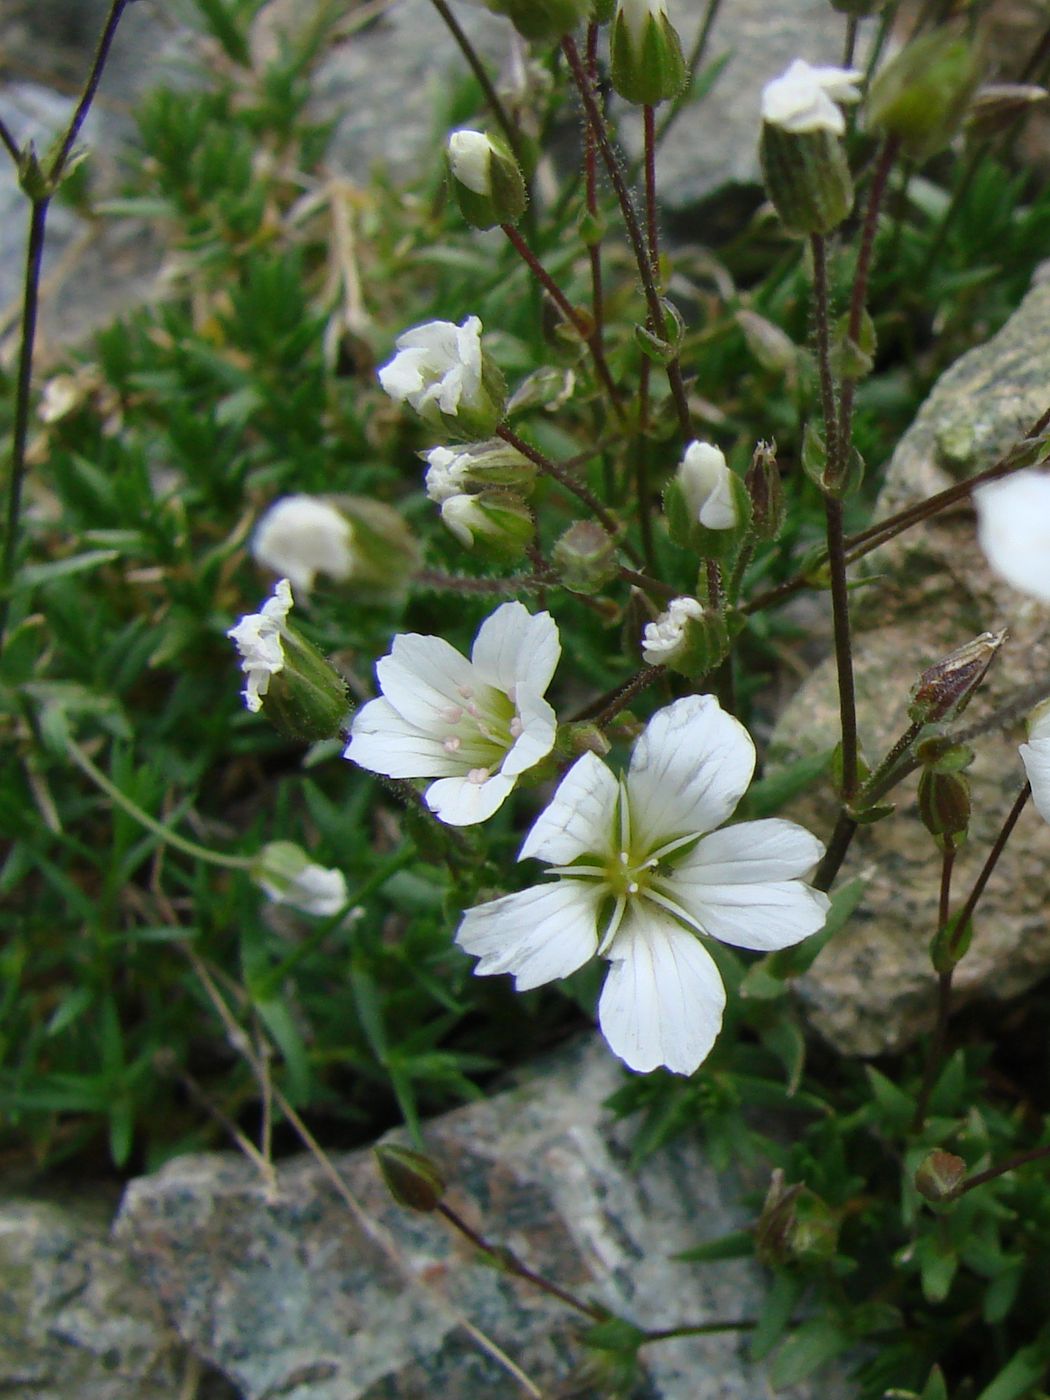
[935,1052]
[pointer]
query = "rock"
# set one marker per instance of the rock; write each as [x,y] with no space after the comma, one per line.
[73,1320]
[872,988]
[290,1293]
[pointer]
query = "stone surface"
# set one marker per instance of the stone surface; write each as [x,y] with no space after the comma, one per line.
[872,988]
[287,1293]
[74,1322]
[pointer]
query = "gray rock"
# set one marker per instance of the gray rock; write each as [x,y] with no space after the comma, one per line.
[74,1321]
[288,1292]
[872,988]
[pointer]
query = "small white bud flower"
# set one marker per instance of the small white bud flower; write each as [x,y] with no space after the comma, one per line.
[285,873]
[258,639]
[804,98]
[707,484]
[470,159]
[665,638]
[302,536]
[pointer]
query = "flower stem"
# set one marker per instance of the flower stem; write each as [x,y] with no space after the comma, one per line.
[579,323]
[507,1261]
[166,834]
[605,709]
[618,179]
[858,298]
[1037,1154]
[491,96]
[647,583]
[31,306]
[935,1053]
[455,583]
[590,180]
[822,327]
[579,490]
[843,647]
[9,143]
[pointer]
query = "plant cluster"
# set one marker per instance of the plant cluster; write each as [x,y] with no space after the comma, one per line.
[634,456]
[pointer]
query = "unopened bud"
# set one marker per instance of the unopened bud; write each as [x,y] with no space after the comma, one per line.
[585,557]
[486,179]
[944,807]
[772,348]
[997,106]
[939,1175]
[499,523]
[688,638]
[287,875]
[796,1225]
[583,737]
[803,161]
[921,96]
[542,19]
[411,1178]
[647,62]
[766,492]
[352,539]
[706,503]
[944,689]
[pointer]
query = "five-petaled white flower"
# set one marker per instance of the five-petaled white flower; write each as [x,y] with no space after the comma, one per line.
[473,725]
[1035,755]
[258,639]
[438,364]
[804,98]
[641,872]
[302,536]
[1013,529]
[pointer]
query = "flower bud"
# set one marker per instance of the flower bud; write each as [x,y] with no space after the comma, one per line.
[287,677]
[542,19]
[1035,755]
[487,182]
[803,161]
[687,638]
[647,62]
[285,873]
[944,689]
[707,505]
[996,106]
[585,557]
[453,471]
[921,96]
[944,807]
[499,523]
[350,538]
[411,1178]
[766,492]
[796,1225]
[939,1175]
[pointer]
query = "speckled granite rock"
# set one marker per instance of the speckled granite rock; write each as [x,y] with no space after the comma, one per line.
[872,989]
[74,1322]
[287,1294]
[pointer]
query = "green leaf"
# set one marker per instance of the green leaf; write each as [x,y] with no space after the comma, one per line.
[279,1021]
[805,1351]
[1019,1376]
[740,1244]
[35,574]
[777,1307]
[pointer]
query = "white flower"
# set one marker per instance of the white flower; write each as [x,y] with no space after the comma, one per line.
[707,484]
[258,639]
[285,873]
[470,158]
[663,638]
[448,473]
[472,725]
[803,99]
[437,363]
[1035,755]
[641,872]
[302,536]
[1013,529]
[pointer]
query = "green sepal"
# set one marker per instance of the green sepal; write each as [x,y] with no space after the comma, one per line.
[807,178]
[653,73]
[943,954]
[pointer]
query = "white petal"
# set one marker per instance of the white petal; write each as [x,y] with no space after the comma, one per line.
[539,729]
[663,998]
[383,742]
[581,818]
[513,648]
[689,769]
[301,536]
[1035,755]
[750,853]
[461,801]
[423,677]
[766,916]
[470,156]
[541,934]
[1013,529]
